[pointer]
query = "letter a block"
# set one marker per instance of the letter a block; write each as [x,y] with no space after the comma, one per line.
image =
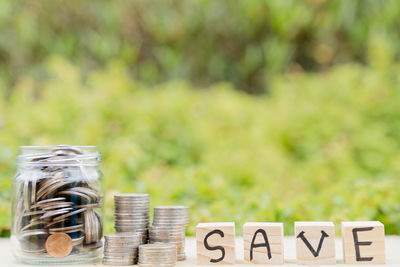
[315,242]
[363,242]
[215,243]
[263,242]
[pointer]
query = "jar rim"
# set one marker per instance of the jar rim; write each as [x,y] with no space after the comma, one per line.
[58,155]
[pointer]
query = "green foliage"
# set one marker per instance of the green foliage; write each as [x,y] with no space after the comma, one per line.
[243,42]
[318,147]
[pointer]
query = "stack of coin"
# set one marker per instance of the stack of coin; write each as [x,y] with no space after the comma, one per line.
[157,255]
[132,213]
[169,225]
[121,248]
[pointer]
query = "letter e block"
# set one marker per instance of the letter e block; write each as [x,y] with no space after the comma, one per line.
[215,243]
[363,242]
[263,242]
[315,242]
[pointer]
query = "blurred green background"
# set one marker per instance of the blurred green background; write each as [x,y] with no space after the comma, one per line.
[243,110]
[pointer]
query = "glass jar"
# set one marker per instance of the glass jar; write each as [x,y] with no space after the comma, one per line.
[57,214]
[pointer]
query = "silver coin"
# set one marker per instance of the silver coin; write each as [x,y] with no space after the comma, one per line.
[122,246]
[134,221]
[36,212]
[47,183]
[130,229]
[46,201]
[137,211]
[131,195]
[38,156]
[74,193]
[36,232]
[172,216]
[131,211]
[167,235]
[115,259]
[26,195]
[55,222]
[89,192]
[33,191]
[167,222]
[92,246]
[53,188]
[37,251]
[67,148]
[154,237]
[77,241]
[88,226]
[124,255]
[57,205]
[118,263]
[52,213]
[128,215]
[130,205]
[31,224]
[122,236]
[68,214]
[96,226]
[92,205]
[132,202]
[156,247]
[100,228]
[171,208]
[65,229]
[133,226]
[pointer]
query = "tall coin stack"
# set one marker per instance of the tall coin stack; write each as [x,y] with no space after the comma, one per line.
[132,214]
[157,255]
[121,248]
[169,225]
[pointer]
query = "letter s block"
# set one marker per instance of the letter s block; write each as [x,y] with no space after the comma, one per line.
[315,242]
[215,243]
[263,242]
[363,242]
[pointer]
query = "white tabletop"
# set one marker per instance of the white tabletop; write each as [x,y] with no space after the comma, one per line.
[392,253]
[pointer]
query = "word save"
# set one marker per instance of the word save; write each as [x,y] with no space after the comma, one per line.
[363,242]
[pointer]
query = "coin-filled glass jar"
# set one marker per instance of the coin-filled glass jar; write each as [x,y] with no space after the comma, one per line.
[57,205]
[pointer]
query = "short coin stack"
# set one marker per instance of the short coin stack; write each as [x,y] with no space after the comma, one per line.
[157,255]
[121,248]
[169,224]
[132,213]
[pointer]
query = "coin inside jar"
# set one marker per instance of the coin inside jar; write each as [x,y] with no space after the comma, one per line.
[67,229]
[57,191]
[47,201]
[59,245]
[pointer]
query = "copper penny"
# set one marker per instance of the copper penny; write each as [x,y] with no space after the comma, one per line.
[59,245]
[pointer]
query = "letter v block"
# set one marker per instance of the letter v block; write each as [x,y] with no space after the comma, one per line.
[263,242]
[215,243]
[315,242]
[363,242]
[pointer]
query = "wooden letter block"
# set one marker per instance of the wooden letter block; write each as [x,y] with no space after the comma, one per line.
[263,242]
[215,243]
[363,242]
[315,242]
